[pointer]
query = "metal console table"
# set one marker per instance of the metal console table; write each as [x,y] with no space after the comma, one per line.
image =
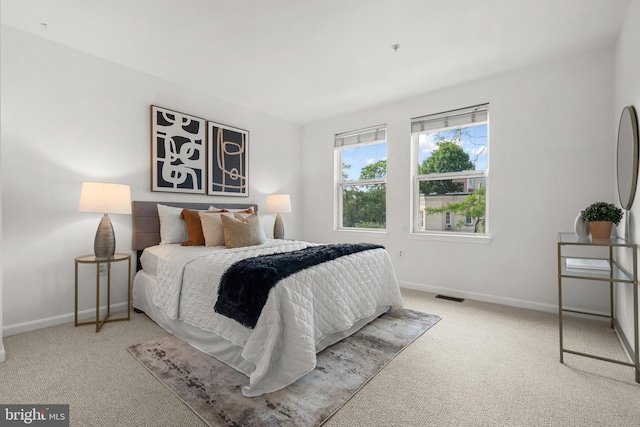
[617,274]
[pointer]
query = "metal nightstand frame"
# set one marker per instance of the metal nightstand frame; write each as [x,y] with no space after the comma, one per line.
[92,259]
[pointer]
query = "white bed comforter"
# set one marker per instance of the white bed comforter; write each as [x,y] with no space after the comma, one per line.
[301,310]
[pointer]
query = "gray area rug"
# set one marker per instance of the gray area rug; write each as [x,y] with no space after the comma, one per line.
[212,389]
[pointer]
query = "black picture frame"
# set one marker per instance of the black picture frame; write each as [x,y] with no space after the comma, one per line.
[227,160]
[178,152]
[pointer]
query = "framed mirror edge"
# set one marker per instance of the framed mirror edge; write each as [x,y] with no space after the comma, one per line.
[627,135]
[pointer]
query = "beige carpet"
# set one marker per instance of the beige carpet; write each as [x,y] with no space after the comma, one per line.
[482,365]
[213,389]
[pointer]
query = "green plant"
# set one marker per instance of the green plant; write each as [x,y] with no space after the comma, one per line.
[601,211]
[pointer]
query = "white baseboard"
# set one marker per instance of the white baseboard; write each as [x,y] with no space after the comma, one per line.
[512,302]
[87,314]
[2,356]
[33,325]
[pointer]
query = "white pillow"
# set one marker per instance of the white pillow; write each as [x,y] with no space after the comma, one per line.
[212,227]
[172,228]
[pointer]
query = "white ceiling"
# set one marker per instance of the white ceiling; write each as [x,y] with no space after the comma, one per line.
[306,60]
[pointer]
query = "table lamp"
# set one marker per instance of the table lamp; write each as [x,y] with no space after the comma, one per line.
[278,203]
[105,198]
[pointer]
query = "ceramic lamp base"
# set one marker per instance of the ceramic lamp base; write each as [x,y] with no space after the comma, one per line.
[278,228]
[104,246]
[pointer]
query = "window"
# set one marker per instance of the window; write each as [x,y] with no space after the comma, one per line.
[468,220]
[361,175]
[450,154]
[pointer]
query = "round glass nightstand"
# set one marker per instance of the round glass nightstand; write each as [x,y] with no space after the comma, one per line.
[99,261]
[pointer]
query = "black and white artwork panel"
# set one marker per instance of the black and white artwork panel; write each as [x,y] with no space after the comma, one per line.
[178,152]
[228,160]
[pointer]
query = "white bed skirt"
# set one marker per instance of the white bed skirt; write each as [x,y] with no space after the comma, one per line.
[209,342]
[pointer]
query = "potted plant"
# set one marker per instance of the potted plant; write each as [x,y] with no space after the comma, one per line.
[601,216]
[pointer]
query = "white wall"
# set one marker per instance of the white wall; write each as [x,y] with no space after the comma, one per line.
[551,155]
[2,354]
[68,117]
[627,92]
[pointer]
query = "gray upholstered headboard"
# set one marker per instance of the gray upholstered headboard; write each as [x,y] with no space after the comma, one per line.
[146,223]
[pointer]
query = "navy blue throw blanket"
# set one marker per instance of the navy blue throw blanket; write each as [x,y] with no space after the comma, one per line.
[244,287]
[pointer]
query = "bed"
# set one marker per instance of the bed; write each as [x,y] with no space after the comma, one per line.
[178,286]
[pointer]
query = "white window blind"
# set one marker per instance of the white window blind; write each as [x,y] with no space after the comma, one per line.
[450,119]
[362,136]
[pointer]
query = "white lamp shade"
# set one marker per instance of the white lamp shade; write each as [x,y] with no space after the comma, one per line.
[105,198]
[278,203]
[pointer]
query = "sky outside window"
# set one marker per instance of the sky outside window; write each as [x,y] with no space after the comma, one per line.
[359,156]
[472,139]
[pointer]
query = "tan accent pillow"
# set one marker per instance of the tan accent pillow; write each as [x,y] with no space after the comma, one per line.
[244,213]
[248,210]
[212,227]
[239,231]
[195,236]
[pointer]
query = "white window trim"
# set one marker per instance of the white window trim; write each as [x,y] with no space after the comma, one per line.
[362,137]
[446,236]
[452,175]
[339,188]
[442,236]
[355,183]
[468,220]
[360,231]
[436,177]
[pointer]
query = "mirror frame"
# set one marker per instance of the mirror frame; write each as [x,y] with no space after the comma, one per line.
[627,157]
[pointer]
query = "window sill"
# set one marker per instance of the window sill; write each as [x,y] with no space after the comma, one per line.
[360,231]
[453,238]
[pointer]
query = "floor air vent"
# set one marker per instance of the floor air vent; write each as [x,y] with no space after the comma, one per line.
[450,298]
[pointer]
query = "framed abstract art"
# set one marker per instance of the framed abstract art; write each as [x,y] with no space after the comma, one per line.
[228,160]
[178,152]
